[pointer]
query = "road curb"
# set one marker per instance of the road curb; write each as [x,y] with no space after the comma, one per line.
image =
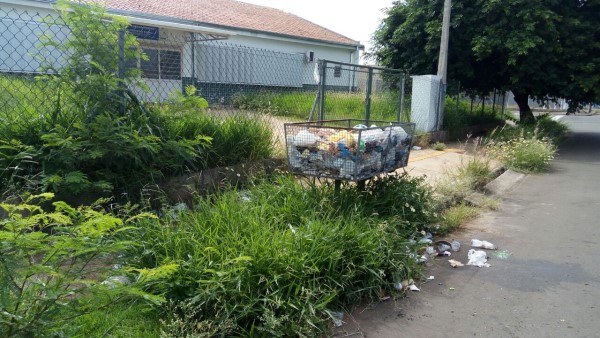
[503,183]
[497,187]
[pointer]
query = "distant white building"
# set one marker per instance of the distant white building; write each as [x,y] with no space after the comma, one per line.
[179,38]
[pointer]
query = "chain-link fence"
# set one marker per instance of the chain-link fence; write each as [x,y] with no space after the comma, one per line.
[40,55]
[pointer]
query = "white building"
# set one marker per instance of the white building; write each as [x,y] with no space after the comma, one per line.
[202,42]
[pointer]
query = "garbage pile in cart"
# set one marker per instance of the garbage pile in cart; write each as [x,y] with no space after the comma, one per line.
[347,149]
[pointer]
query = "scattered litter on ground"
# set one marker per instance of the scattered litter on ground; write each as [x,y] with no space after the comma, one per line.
[455,245]
[502,254]
[408,285]
[446,253]
[114,281]
[384,299]
[442,246]
[477,258]
[430,251]
[245,196]
[455,263]
[416,148]
[336,316]
[425,241]
[451,289]
[482,244]
[431,278]
[428,235]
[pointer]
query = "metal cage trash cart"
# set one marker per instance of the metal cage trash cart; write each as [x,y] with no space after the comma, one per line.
[347,149]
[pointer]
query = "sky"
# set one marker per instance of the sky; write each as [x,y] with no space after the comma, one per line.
[349,18]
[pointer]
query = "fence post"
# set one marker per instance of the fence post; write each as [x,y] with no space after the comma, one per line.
[494,103]
[401,85]
[121,70]
[193,42]
[503,103]
[322,90]
[457,97]
[482,105]
[368,97]
[472,99]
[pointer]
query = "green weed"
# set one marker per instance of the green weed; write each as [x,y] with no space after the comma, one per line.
[57,266]
[272,260]
[455,216]
[439,146]
[529,155]
[338,105]
[471,175]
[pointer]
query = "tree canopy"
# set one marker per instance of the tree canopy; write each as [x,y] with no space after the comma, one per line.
[538,49]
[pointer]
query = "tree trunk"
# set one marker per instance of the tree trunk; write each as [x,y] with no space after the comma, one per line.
[525,113]
[573,107]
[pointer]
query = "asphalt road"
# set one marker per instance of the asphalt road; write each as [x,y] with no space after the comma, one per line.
[549,285]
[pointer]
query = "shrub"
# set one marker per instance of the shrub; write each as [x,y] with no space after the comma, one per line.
[523,154]
[439,146]
[276,259]
[55,266]
[234,139]
[476,172]
[453,217]
[543,128]
[471,175]
[399,196]
[555,131]
[91,136]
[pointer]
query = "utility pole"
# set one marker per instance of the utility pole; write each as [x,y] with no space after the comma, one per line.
[443,61]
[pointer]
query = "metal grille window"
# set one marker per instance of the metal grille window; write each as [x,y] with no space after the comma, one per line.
[161,64]
[337,71]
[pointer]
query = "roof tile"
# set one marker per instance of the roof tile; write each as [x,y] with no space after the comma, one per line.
[232,14]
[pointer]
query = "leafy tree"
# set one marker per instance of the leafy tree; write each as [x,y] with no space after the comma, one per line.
[533,48]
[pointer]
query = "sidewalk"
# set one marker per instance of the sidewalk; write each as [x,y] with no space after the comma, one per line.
[435,164]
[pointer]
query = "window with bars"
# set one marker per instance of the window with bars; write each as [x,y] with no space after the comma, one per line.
[161,64]
[337,71]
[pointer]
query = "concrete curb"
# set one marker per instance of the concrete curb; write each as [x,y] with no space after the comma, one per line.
[503,183]
[497,187]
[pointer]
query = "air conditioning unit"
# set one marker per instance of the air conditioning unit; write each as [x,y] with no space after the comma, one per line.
[163,34]
[309,56]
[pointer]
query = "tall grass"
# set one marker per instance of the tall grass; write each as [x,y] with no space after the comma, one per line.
[51,142]
[25,104]
[543,128]
[235,139]
[338,105]
[276,259]
[527,147]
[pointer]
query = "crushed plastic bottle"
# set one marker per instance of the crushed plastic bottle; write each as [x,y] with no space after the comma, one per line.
[455,245]
[482,244]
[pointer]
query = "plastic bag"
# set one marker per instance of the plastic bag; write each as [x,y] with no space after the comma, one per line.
[305,138]
[477,258]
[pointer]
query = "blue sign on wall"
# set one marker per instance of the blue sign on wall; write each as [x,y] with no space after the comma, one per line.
[144,32]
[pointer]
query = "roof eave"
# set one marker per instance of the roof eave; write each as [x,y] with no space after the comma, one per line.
[168,19]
